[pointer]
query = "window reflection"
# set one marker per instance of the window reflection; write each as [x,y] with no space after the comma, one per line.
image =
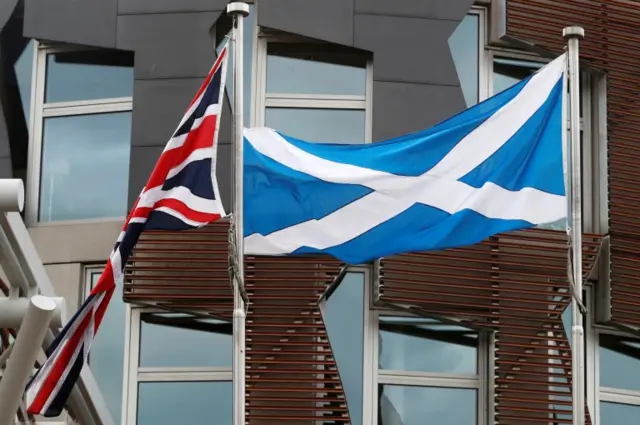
[86,75]
[344,320]
[176,340]
[107,352]
[24,73]
[404,405]
[293,69]
[619,362]
[85,166]
[172,403]
[618,414]
[319,125]
[424,345]
[507,72]
[464,45]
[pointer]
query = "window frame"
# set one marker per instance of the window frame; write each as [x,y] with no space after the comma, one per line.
[482,381]
[264,100]
[135,374]
[40,111]
[596,393]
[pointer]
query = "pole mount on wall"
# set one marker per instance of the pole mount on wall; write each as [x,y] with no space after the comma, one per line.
[238,8]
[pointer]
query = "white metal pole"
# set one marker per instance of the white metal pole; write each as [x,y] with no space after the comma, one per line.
[23,356]
[573,35]
[238,10]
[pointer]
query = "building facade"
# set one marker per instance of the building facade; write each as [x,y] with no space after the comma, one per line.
[92,90]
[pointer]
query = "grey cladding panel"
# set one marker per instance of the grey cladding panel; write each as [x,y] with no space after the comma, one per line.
[400,108]
[437,9]
[133,7]
[177,45]
[158,106]
[408,49]
[328,20]
[224,171]
[6,9]
[86,22]
[5,168]
[143,159]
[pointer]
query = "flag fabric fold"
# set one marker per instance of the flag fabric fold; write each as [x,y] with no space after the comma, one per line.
[181,193]
[495,167]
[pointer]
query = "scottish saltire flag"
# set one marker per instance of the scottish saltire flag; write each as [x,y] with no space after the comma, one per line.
[495,167]
[182,193]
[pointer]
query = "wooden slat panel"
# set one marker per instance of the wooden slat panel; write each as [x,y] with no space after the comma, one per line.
[291,373]
[515,284]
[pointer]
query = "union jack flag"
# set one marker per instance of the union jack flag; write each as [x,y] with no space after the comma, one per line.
[182,193]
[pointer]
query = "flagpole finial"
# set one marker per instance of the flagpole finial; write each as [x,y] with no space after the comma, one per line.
[572,32]
[238,8]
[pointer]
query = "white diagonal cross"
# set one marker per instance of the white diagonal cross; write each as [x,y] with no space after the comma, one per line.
[439,187]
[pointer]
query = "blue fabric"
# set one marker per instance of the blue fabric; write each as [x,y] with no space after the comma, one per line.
[277,197]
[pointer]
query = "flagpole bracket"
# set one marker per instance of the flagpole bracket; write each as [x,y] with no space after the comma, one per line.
[238,8]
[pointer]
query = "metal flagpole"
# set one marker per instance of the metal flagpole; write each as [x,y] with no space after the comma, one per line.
[238,10]
[573,35]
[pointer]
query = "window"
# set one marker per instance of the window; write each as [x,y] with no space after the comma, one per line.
[344,313]
[466,44]
[106,359]
[179,369]
[313,91]
[426,368]
[80,142]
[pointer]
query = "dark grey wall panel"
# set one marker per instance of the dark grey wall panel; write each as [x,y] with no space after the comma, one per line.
[224,171]
[175,45]
[159,106]
[437,9]
[6,10]
[408,49]
[88,22]
[400,108]
[143,159]
[132,7]
[329,20]
[5,168]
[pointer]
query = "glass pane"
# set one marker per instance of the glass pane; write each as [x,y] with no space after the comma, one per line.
[172,403]
[247,53]
[344,319]
[464,45]
[24,71]
[618,414]
[88,75]
[107,352]
[194,342]
[507,72]
[619,362]
[292,69]
[401,405]
[85,166]
[319,125]
[424,345]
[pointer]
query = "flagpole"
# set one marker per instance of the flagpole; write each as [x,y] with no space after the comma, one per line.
[573,35]
[238,10]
